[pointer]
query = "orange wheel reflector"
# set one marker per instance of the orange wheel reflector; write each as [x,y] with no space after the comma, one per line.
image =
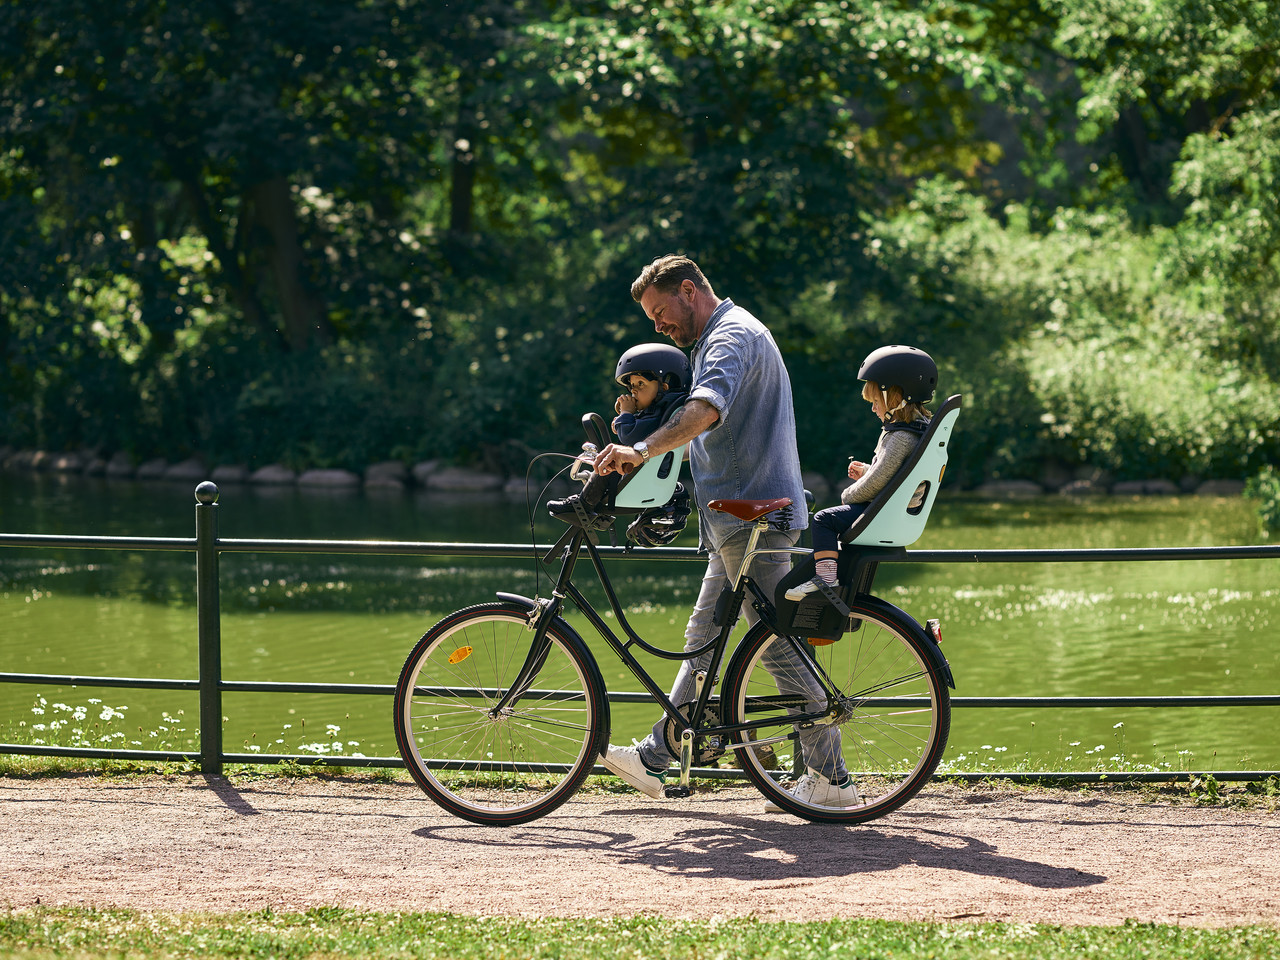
[460,654]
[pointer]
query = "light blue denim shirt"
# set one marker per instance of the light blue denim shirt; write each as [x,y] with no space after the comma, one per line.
[750,452]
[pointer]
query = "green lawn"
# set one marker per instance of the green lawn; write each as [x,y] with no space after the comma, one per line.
[70,933]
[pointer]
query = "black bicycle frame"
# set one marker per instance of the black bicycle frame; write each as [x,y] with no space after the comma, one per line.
[730,604]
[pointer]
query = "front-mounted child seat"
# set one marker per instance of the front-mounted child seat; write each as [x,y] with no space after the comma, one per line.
[650,485]
[885,528]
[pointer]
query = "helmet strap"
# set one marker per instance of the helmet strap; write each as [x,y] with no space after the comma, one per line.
[888,414]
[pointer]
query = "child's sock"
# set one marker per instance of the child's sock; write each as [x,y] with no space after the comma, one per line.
[826,570]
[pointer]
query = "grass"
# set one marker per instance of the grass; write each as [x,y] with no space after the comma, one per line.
[41,932]
[1262,794]
[100,725]
[1204,790]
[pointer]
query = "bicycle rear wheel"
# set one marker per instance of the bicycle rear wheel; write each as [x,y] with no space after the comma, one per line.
[503,767]
[886,726]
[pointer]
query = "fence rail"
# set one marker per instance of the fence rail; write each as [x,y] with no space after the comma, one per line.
[207,547]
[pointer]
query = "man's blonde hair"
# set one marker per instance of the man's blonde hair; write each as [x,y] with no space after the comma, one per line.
[893,403]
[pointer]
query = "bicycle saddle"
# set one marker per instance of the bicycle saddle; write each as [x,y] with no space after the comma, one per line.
[749,510]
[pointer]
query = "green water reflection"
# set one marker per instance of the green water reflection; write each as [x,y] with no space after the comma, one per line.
[1064,629]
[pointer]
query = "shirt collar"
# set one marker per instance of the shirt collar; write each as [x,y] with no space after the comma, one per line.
[725,306]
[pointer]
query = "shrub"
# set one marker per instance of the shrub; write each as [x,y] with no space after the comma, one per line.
[1264,487]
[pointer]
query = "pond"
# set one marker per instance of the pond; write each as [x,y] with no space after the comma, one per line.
[1043,629]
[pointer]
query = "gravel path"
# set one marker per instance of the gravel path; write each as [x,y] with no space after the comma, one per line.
[194,843]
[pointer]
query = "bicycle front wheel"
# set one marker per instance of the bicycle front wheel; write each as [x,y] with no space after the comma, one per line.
[488,765]
[885,717]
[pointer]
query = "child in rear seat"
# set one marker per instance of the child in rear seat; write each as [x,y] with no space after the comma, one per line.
[899,381]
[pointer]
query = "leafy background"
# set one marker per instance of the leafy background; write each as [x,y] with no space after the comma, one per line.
[331,234]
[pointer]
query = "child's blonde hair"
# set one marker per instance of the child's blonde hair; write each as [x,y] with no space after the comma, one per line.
[896,407]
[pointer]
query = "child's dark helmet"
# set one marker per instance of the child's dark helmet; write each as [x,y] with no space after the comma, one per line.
[908,368]
[658,361]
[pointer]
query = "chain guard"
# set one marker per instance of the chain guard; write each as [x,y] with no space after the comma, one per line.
[703,753]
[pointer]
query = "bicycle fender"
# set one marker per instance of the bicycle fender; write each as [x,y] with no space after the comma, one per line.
[908,624]
[593,668]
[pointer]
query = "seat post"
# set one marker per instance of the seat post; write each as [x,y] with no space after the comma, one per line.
[749,554]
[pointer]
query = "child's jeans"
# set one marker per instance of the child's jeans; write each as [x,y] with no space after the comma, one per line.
[828,524]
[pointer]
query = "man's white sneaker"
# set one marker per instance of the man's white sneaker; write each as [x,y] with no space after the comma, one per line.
[814,788]
[625,762]
[803,590]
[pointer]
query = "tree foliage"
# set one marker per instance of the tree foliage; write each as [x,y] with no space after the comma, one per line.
[391,228]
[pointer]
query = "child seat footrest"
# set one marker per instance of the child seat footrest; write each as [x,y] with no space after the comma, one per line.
[816,617]
[833,598]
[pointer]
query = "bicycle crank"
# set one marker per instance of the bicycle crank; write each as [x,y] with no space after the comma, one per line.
[706,749]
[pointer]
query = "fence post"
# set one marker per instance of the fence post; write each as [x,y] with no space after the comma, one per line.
[210,628]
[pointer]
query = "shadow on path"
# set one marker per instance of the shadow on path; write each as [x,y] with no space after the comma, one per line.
[232,798]
[747,848]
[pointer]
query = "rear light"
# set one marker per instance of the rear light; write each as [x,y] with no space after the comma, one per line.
[935,630]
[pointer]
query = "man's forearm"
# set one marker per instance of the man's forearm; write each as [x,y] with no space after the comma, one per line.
[686,423]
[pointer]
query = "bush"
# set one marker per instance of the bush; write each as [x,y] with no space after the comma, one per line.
[1264,487]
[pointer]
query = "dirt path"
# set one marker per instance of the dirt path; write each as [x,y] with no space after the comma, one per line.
[208,844]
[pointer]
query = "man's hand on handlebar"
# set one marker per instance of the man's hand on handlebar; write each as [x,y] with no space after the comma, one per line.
[617,458]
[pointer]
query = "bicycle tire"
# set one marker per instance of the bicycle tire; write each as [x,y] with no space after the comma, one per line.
[516,766]
[892,727]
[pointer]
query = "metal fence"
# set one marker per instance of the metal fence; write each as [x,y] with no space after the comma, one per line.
[208,546]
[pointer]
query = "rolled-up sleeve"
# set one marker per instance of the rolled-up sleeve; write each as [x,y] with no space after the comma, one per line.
[721,372]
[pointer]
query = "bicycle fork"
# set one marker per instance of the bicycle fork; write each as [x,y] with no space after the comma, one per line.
[540,619]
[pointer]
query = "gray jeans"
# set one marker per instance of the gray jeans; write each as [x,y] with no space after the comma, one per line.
[821,745]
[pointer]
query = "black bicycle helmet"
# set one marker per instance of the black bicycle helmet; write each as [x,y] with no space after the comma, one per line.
[911,370]
[658,361]
[659,526]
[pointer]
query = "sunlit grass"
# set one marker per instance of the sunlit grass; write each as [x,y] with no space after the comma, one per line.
[31,933]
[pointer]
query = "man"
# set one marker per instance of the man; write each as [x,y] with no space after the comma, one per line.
[740,426]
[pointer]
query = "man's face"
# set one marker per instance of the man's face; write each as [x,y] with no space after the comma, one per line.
[672,313]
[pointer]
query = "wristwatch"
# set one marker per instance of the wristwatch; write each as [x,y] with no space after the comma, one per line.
[641,448]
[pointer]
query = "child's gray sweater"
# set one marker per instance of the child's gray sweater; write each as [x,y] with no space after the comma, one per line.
[892,451]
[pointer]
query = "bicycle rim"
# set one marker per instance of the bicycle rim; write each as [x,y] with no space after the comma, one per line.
[508,767]
[888,734]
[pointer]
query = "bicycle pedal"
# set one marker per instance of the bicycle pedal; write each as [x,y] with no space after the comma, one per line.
[677,792]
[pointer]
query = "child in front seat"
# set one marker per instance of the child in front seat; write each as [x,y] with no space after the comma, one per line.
[899,381]
[657,377]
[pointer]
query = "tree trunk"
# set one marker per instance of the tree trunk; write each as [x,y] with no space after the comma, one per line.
[234,279]
[305,319]
[462,174]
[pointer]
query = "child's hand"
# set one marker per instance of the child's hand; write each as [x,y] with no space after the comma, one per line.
[625,404]
[856,469]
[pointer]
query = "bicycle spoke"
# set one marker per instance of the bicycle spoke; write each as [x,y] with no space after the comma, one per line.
[495,767]
[886,718]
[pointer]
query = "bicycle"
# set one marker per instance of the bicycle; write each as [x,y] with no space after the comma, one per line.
[501,710]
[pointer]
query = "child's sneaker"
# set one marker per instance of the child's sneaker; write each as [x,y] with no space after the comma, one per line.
[802,590]
[579,511]
[814,788]
[625,762]
[564,509]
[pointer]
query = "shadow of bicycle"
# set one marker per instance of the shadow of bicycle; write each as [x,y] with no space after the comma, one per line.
[760,849]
